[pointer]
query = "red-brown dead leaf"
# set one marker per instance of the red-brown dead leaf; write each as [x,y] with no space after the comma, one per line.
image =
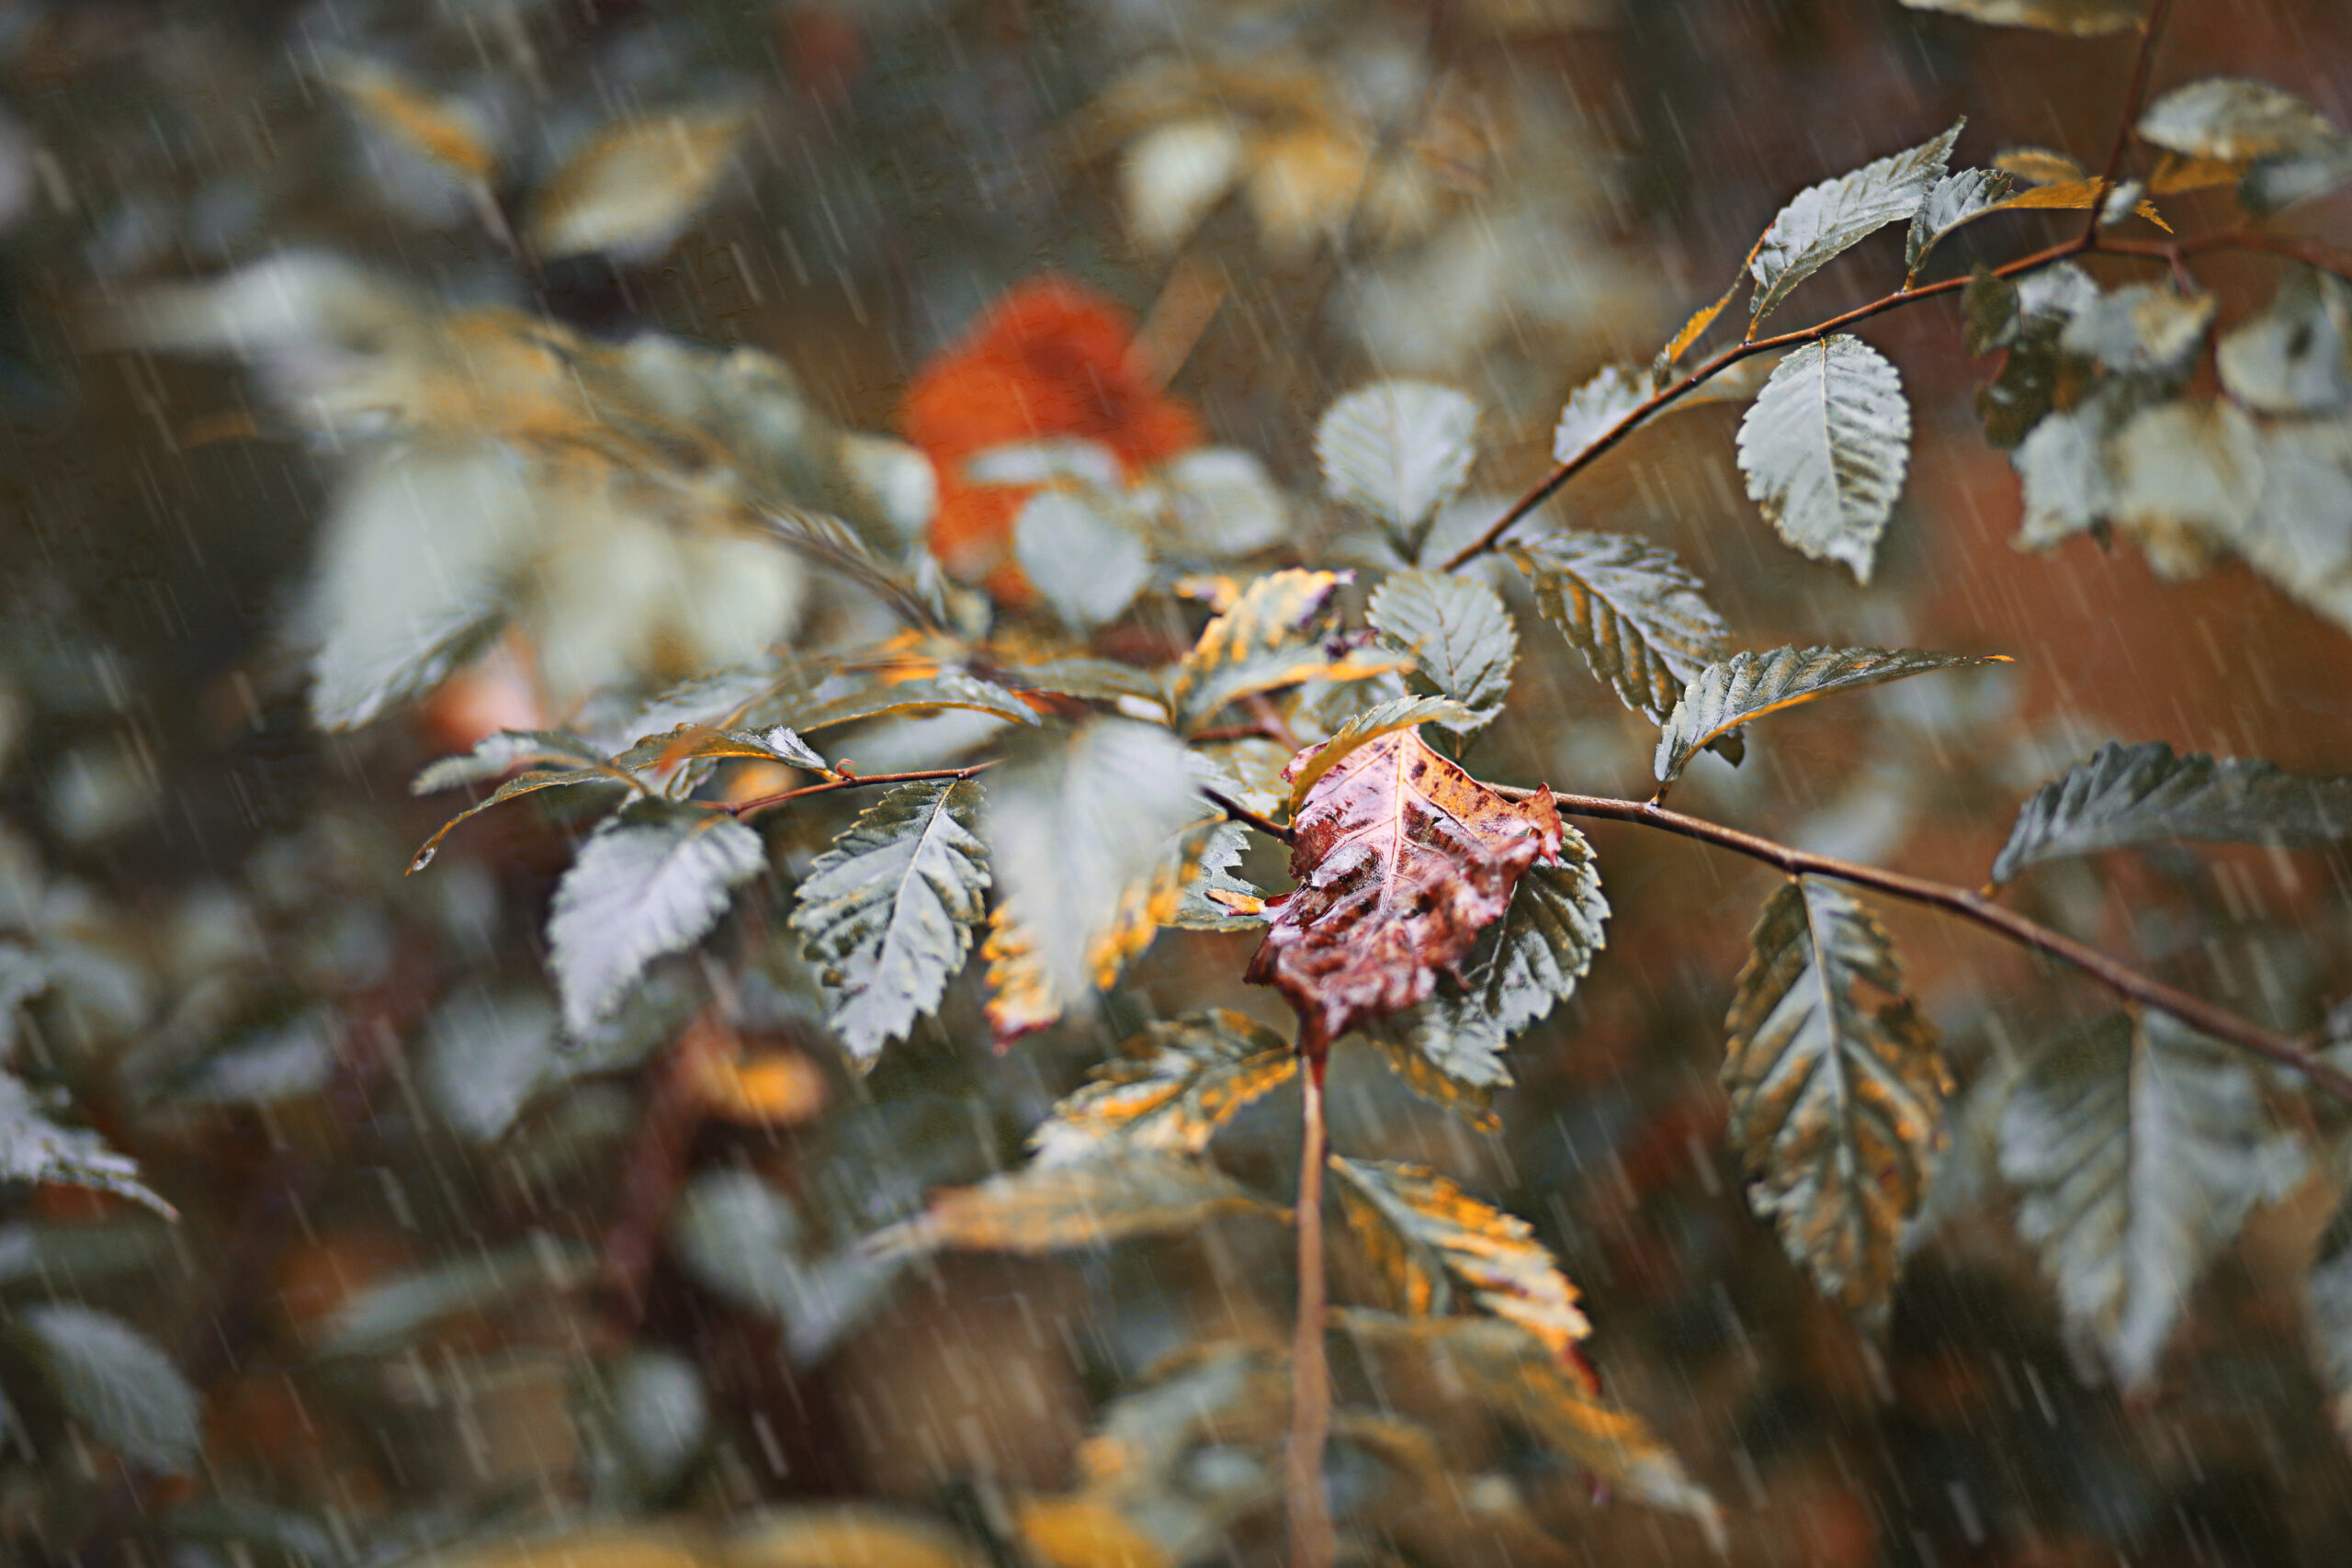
[1401,860]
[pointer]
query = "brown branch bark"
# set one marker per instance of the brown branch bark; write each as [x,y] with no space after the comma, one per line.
[1312,1543]
[2117,977]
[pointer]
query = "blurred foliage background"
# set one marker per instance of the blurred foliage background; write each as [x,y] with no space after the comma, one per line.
[433,1283]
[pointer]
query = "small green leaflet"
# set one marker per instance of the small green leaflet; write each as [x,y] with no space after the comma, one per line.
[1825,447]
[34,1148]
[116,1384]
[1631,608]
[2144,794]
[1749,685]
[1824,220]
[1836,1099]
[2234,121]
[1169,1089]
[888,913]
[2140,1151]
[1397,451]
[651,880]
[1597,407]
[1085,1203]
[2081,19]
[1216,899]
[1457,631]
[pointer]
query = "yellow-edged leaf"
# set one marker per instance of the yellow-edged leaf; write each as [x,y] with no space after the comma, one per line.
[1171,1089]
[1056,1208]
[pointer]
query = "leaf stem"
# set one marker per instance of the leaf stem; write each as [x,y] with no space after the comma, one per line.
[1241,813]
[851,781]
[2117,977]
[1312,1543]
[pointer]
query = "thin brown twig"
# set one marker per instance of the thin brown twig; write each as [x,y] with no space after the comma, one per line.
[2315,254]
[2117,977]
[1312,1543]
[2135,93]
[1241,813]
[849,781]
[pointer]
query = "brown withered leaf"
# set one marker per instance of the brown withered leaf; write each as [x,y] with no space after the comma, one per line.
[1424,1234]
[1506,1371]
[1171,1089]
[1054,1208]
[1401,860]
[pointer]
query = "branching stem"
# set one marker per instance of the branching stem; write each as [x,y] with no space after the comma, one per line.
[1312,1543]
[2117,977]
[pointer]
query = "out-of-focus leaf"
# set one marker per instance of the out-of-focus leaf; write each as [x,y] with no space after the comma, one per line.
[1273,637]
[1597,407]
[2300,534]
[1212,898]
[2189,476]
[2327,1316]
[529,782]
[1631,608]
[1448,1049]
[2276,183]
[1169,1090]
[1401,860]
[2040,166]
[1508,1371]
[651,879]
[888,913]
[1172,175]
[2140,328]
[634,185]
[1825,447]
[2140,1150]
[1375,723]
[1397,451]
[2296,357]
[2234,120]
[442,131]
[1089,567]
[1094,680]
[694,742]
[1223,503]
[924,693]
[2068,475]
[1836,1099]
[741,1240]
[1955,199]
[486,1057]
[497,754]
[116,1383]
[1749,685]
[2081,19]
[1086,1203]
[1824,220]
[839,1534]
[2144,794]
[1425,1233]
[651,1415]
[34,1148]
[397,1311]
[1457,631]
[2034,368]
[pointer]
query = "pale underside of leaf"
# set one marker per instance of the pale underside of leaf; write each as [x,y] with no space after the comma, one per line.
[117,1384]
[2140,1151]
[1599,406]
[1824,448]
[1836,1099]
[888,913]
[1826,218]
[1457,630]
[1397,450]
[2234,120]
[1631,608]
[947,689]
[1171,1089]
[2145,794]
[1749,685]
[1087,1204]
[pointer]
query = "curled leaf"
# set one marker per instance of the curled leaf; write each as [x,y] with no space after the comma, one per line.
[1749,685]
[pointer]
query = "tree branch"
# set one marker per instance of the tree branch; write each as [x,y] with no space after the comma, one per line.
[1312,1542]
[2135,93]
[2117,977]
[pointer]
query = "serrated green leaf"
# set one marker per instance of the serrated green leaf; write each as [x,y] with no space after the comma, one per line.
[1836,1099]
[2143,794]
[1458,632]
[1449,1050]
[1597,407]
[2140,329]
[1074,824]
[1824,448]
[650,880]
[1170,1089]
[1386,719]
[1951,201]
[1824,220]
[2140,1150]
[1057,1208]
[33,1148]
[1425,1235]
[2081,19]
[1749,685]
[117,1384]
[1214,899]
[1086,565]
[2295,357]
[396,1312]
[888,913]
[948,689]
[1635,611]
[2234,121]
[1397,451]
